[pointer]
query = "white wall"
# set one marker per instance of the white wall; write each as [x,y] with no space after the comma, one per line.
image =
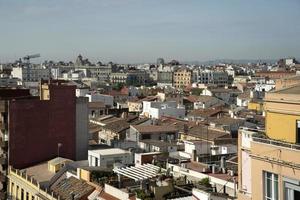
[81,92]
[105,160]
[158,109]
[106,99]
[17,73]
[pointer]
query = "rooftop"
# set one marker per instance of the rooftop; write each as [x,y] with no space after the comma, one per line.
[111,151]
[198,167]
[117,126]
[201,98]
[226,120]
[39,172]
[203,132]
[159,143]
[58,160]
[208,112]
[295,89]
[67,187]
[148,129]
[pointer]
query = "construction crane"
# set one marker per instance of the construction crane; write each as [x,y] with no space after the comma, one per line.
[28,57]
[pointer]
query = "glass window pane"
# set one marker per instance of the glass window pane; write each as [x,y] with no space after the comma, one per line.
[269,188]
[275,189]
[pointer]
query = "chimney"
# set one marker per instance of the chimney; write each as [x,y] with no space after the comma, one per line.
[222,163]
[194,155]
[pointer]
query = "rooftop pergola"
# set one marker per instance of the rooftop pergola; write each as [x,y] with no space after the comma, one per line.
[139,173]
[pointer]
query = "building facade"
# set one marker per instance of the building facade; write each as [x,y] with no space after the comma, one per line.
[31,74]
[182,77]
[269,163]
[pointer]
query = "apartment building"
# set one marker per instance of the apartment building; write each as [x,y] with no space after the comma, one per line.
[212,77]
[269,162]
[158,109]
[182,77]
[31,74]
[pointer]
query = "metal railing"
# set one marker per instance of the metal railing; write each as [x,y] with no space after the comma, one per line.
[277,143]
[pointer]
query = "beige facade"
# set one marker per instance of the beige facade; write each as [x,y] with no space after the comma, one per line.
[276,159]
[21,186]
[135,106]
[269,163]
[182,78]
[287,82]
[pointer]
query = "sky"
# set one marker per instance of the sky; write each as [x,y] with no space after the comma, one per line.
[137,31]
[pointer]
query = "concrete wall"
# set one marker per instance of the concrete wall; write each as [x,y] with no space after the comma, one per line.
[82,129]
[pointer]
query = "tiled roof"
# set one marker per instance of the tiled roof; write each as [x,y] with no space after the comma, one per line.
[208,112]
[201,98]
[226,121]
[148,129]
[67,187]
[203,132]
[117,126]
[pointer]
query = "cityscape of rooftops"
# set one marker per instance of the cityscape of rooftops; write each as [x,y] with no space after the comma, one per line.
[149,100]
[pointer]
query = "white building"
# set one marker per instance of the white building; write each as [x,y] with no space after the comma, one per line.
[31,74]
[203,147]
[108,157]
[265,86]
[158,109]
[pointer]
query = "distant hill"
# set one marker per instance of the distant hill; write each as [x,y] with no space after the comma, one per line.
[230,61]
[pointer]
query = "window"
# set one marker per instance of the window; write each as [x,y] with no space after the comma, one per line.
[270,186]
[17,192]
[291,188]
[96,162]
[12,188]
[298,131]
[22,194]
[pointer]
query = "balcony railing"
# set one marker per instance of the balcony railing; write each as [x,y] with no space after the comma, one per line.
[277,143]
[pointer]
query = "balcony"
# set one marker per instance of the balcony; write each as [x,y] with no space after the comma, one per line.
[276,152]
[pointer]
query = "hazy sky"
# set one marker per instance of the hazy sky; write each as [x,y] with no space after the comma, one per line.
[143,30]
